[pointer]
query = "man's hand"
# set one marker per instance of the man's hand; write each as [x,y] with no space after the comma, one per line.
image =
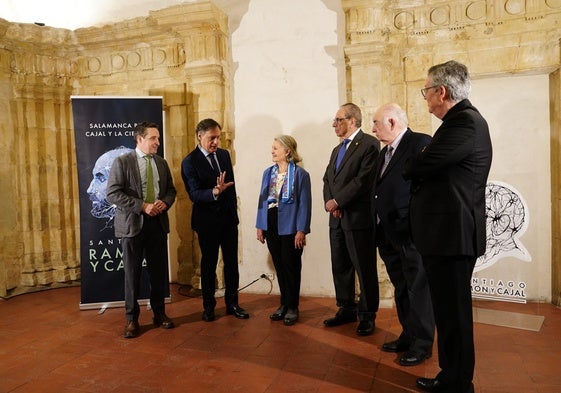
[221,185]
[331,205]
[153,209]
[337,213]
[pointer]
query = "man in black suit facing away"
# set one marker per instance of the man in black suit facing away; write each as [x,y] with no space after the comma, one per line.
[209,180]
[390,212]
[448,218]
[347,184]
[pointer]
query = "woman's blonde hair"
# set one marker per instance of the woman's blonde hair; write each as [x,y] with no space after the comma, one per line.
[289,143]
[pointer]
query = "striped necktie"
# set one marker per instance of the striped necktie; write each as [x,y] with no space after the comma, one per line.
[387,159]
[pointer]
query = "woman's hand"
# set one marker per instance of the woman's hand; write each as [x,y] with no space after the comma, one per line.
[299,240]
[261,235]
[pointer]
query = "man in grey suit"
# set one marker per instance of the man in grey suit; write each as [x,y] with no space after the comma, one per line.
[347,184]
[141,186]
[390,212]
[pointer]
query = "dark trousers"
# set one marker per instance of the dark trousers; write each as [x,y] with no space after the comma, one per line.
[412,295]
[149,244]
[287,260]
[450,286]
[225,237]
[355,252]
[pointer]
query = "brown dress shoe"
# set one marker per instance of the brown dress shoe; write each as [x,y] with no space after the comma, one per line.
[131,329]
[163,320]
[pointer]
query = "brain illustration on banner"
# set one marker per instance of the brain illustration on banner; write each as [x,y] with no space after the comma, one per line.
[97,190]
[507,219]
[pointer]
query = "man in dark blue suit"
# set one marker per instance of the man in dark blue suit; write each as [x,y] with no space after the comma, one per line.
[347,184]
[448,220]
[390,212]
[209,180]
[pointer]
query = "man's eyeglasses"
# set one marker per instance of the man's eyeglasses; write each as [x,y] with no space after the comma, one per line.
[340,119]
[425,89]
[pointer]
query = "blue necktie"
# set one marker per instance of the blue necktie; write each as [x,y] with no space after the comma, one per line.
[341,153]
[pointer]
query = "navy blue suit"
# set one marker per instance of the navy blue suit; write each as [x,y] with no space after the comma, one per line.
[216,222]
[390,210]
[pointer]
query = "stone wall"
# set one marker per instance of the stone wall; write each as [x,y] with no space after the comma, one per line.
[183,54]
[391,44]
[180,53]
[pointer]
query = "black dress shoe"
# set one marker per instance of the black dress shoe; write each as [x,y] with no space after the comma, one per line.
[208,315]
[291,316]
[238,312]
[278,314]
[395,346]
[414,357]
[432,385]
[343,316]
[131,329]
[365,328]
[435,385]
[163,320]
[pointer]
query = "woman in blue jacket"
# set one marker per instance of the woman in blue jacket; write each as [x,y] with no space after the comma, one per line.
[283,219]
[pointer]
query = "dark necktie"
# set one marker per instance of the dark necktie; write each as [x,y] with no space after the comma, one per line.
[214,163]
[342,151]
[150,197]
[387,159]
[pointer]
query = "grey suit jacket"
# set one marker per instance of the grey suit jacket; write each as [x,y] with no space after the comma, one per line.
[124,189]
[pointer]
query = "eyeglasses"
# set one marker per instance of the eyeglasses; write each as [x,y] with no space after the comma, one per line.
[424,90]
[340,119]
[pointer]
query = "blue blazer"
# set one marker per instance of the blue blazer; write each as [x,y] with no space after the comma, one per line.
[293,217]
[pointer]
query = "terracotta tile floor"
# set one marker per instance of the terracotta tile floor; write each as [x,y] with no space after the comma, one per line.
[48,345]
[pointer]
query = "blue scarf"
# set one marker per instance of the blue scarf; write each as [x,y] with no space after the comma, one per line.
[287,190]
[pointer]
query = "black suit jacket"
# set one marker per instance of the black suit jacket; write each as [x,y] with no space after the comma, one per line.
[391,193]
[199,180]
[448,203]
[352,184]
